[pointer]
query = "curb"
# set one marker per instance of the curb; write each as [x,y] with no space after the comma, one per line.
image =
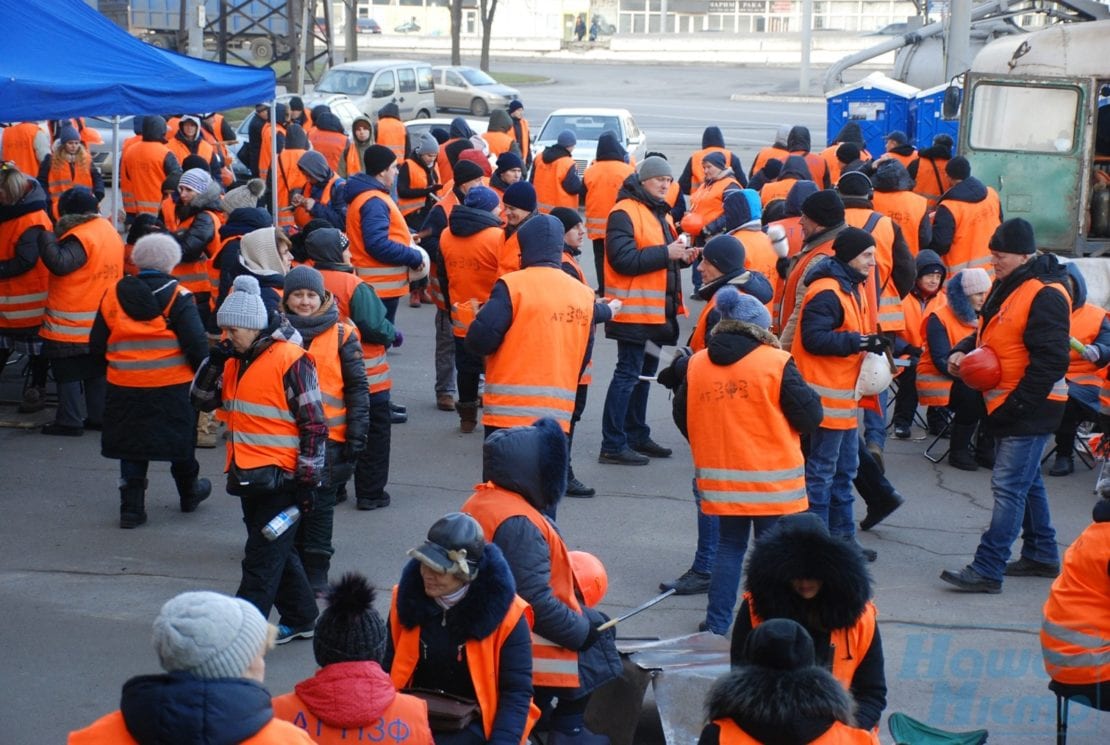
[775,98]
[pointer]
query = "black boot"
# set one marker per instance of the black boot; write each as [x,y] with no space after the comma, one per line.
[316,568]
[576,488]
[191,490]
[959,454]
[132,502]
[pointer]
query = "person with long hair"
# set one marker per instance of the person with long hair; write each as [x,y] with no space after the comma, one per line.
[69,164]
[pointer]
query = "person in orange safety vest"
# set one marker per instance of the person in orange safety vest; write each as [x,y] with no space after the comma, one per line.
[524,469]
[600,184]
[145,163]
[25,144]
[520,131]
[211,648]
[555,174]
[965,218]
[390,131]
[899,148]
[418,180]
[928,172]
[69,164]
[926,297]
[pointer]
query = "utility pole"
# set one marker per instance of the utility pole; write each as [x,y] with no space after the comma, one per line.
[807,41]
[662,16]
[957,39]
[194,21]
[351,31]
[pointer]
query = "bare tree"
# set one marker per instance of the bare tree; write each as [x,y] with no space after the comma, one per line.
[487,8]
[456,31]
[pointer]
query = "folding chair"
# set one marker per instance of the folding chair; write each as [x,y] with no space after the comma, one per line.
[1065,697]
[928,451]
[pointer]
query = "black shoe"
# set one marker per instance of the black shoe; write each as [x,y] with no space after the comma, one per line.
[341,495]
[868,554]
[1024,567]
[690,583]
[129,520]
[902,431]
[398,417]
[1062,466]
[882,510]
[626,457]
[962,460]
[652,449]
[366,503]
[61,430]
[398,408]
[969,580]
[576,488]
[199,492]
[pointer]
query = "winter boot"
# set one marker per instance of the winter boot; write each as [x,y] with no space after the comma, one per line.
[576,488]
[468,416]
[1063,465]
[959,454]
[132,502]
[936,417]
[191,490]
[316,568]
[984,447]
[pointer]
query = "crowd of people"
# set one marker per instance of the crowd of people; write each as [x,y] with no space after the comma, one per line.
[833,285]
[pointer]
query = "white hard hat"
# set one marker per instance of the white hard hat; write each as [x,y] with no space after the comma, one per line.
[422,272]
[874,375]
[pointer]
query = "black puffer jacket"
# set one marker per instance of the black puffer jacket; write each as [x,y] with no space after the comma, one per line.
[970,190]
[195,238]
[151,423]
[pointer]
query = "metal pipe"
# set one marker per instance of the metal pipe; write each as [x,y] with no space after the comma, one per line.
[115,171]
[957,42]
[807,42]
[273,161]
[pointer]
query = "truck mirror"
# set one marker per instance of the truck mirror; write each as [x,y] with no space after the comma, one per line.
[950,107]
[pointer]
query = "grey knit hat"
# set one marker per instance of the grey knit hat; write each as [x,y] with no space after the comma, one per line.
[652,167]
[158,251]
[426,145]
[349,629]
[243,196]
[243,307]
[209,635]
[304,278]
[196,179]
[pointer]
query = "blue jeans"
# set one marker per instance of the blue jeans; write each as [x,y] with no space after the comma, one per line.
[874,423]
[624,420]
[707,537]
[1020,503]
[725,579]
[831,464]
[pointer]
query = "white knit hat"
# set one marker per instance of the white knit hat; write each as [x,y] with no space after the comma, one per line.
[209,635]
[158,251]
[243,196]
[974,281]
[196,179]
[243,308]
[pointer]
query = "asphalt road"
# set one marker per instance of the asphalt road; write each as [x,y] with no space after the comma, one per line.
[79,594]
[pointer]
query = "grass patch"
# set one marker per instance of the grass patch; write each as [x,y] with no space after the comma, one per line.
[518,78]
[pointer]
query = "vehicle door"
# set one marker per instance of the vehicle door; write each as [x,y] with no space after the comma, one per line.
[406,92]
[383,91]
[455,92]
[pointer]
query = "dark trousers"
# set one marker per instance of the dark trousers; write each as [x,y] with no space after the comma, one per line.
[468,372]
[372,467]
[1075,413]
[966,404]
[599,264]
[180,469]
[870,482]
[576,415]
[390,304]
[272,572]
[905,401]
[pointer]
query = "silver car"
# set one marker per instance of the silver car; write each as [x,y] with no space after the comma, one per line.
[587,125]
[470,89]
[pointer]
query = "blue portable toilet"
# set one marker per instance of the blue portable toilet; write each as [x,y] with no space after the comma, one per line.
[926,119]
[877,103]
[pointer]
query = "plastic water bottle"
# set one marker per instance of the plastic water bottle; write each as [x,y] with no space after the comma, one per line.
[281,522]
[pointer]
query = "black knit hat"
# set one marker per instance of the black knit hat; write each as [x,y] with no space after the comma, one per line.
[780,644]
[466,170]
[824,207]
[349,629]
[568,217]
[377,158]
[1015,236]
[851,242]
[958,168]
[847,152]
[854,184]
[77,201]
[725,253]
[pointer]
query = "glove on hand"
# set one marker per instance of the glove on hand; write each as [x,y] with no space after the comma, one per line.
[398,338]
[1090,353]
[615,305]
[873,343]
[306,498]
[219,354]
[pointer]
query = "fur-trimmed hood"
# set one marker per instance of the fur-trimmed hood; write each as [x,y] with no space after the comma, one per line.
[731,326]
[958,302]
[478,614]
[530,461]
[1077,285]
[800,547]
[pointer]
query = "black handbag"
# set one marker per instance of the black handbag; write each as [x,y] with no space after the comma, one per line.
[446,711]
[257,482]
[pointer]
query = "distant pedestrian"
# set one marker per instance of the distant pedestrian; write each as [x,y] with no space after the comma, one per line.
[580,27]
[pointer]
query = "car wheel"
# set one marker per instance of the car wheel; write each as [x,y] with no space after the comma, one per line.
[478,107]
[423,114]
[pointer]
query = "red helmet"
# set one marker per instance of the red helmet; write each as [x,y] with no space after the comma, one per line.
[692,223]
[589,576]
[980,369]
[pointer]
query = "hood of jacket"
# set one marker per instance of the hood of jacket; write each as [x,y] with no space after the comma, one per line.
[154,129]
[67,223]
[957,300]
[363,119]
[801,189]
[34,199]
[970,189]
[848,278]
[891,175]
[500,121]
[531,461]
[552,153]
[136,294]
[796,168]
[798,139]
[936,152]
[360,182]
[906,149]
[480,611]
[850,132]
[460,129]
[315,166]
[209,199]
[179,709]
[295,138]
[742,206]
[1045,267]
[1077,286]
[328,122]
[390,111]
[348,694]
[319,322]
[928,258]
[610,148]
[466,221]
[780,707]
[245,219]
[712,137]
[800,547]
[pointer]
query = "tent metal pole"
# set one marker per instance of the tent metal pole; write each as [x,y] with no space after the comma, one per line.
[274,162]
[115,172]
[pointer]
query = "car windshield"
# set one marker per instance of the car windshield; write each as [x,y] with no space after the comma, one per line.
[347,82]
[585,127]
[476,77]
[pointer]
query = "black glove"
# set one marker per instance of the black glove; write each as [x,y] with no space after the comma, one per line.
[351,450]
[306,498]
[782,267]
[591,638]
[873,343]
[219,354]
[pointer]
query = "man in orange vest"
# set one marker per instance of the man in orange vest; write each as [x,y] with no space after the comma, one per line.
[894,197]
[822,220]
[391,131]
[965,219]
[188,141]
[418,180]
[520,131]
[144,166]
[1025,321]
[510,169]
[277,435]
[712,141]
[834,331]
[212,648]
[24,144]
[555,175]
[775,151]
[600,184]
[899,148]
[524,469]
[324,198]
[928,171]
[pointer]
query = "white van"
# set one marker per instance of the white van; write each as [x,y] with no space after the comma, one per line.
[372,84]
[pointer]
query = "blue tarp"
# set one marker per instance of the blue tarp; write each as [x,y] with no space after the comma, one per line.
[62,58]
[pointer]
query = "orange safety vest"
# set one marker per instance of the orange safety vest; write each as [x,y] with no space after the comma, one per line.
[535,371]
[568,258]
[330,145]
[447,203]
[778,153]
[23,297]
[644,296]
[787,303]
[261,428]
[342,286]
[353,160]
[975,224]
[552,665]
[737,413]
[111,729]
[603,181]
[302,216]
[142,168]
[885,304]
[525,139]
[418,179]
[837,734]
[73,299]
[403,722]
[1004,334]
[834,378]
[1086,321]
[932,181]
[906,160]
[194,275]
[18,146]
[324,349]
[815,164]
[65,175]
[934,387]
[391,133]
[289,178]
[915,313]
[387,280]
[264,154]
[499,142]
[472,270]
[760,256]
[548,180]
[483,661]
[509,260]
[699,337]
[832,163]
[143,354]
[1075,633]
[708,200]
[182,151]
[905,208]
[443,165]
[697,173]
[778,189]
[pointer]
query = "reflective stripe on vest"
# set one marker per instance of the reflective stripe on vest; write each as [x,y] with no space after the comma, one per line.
[143,354]
[548,180]
[388,280]
[975,223]
[72,300]
[143,170]
[603,181]
[644,295]
[22,297]
[195,275]
[262,429]
[325,348]
[391,134]
[342,286]
[934,387]
[418,179]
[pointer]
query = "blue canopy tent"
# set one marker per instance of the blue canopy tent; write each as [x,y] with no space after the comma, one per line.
[65,59]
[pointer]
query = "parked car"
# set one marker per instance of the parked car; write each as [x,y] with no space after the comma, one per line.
[408,27]
[587,125]
[604,27]
[341,106]
[368,26]
[372,84]
[469,89]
